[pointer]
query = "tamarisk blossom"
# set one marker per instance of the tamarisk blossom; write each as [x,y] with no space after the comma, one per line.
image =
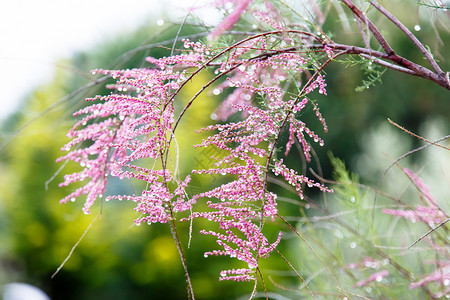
[441,276]
[231,19]
[126,129]
[378,277]
[245,201]
[430,214]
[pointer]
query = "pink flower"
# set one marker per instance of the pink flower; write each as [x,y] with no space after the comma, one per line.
[378,276]
[231,19]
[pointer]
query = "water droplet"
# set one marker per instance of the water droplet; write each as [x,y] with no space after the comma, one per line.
[213,116]
[93,72]
[353,245]
[205,255]
[217,92]
[352,199]
[160,22]
[417,27]
[72,199]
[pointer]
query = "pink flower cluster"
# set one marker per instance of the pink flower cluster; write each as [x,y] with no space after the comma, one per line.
[125,130]
[124,133]
[432,215]
[441,276]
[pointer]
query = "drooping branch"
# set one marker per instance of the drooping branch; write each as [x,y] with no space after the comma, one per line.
[376,33]
[399,63]
[411,36]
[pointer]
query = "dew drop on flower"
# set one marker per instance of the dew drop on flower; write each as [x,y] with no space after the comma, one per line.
[72,199]
[93,72]
[216,92]
[205,255]
[82,164]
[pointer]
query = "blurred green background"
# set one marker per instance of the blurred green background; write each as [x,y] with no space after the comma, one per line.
[117,260]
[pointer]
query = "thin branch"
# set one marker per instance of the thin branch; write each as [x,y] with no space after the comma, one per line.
[411,36]
[295,271]
[426,234]
[405,64]
[417,136]
[74,247]
[376,33]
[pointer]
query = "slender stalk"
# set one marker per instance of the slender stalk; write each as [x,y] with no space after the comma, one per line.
[411,36]
[376,33]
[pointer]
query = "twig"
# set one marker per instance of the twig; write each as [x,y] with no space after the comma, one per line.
[74,247]
[376,33]
[426,234]
[295,271]
[417,136]
[411,36]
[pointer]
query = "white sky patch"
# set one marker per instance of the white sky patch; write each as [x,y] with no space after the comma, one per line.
[36,34]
